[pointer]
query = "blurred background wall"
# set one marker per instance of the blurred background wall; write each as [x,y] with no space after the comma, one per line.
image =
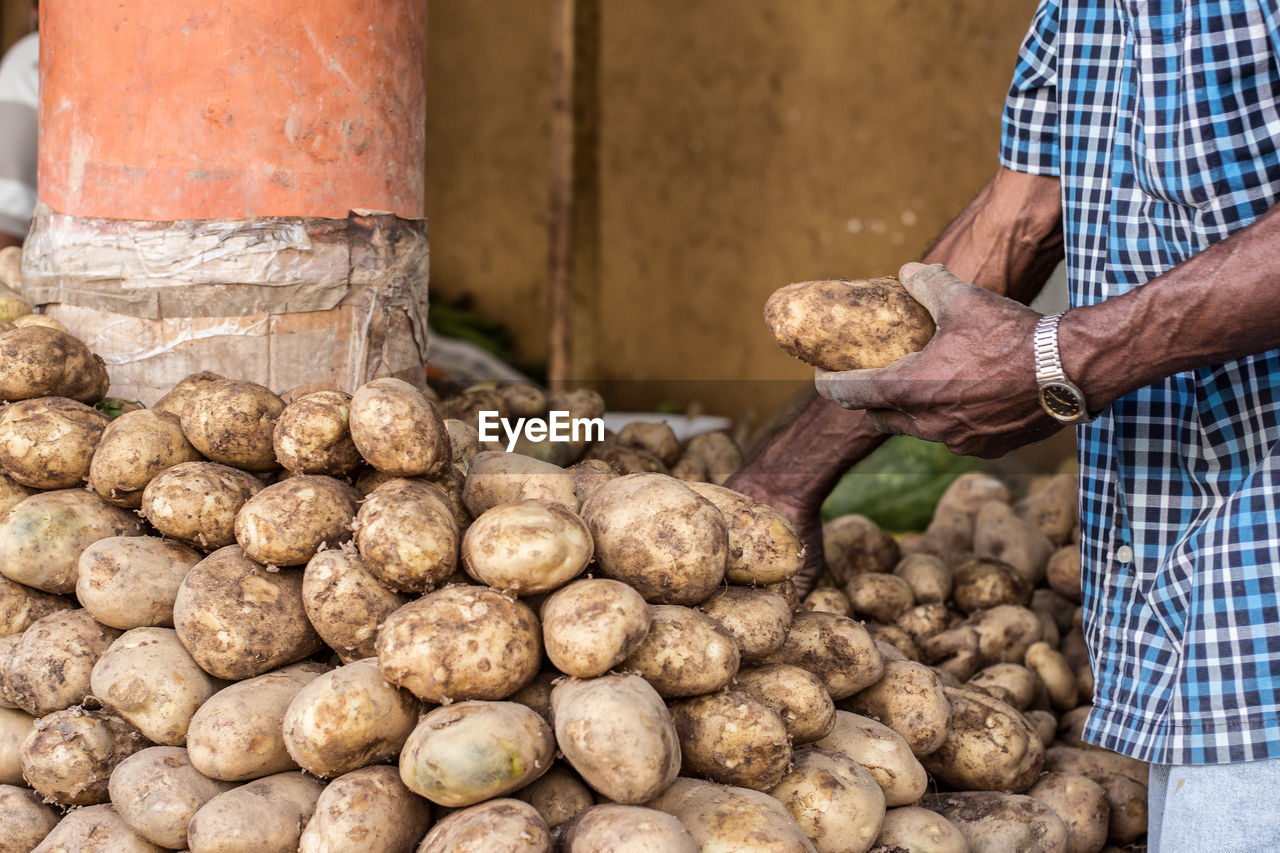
[726,148]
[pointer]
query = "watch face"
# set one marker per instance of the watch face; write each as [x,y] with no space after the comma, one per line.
[1061,401]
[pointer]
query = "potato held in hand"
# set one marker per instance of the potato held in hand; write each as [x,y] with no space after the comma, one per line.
[848,325]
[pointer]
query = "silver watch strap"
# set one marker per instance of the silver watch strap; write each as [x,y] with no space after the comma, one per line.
[1045,343]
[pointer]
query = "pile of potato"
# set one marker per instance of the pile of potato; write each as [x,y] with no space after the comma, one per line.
[341,624]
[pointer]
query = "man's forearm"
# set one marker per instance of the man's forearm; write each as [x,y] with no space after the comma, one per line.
[1222,304]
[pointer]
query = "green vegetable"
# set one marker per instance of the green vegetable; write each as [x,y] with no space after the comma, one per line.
[899,484]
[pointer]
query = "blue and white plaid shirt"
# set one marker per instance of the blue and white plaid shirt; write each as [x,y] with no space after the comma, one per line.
[1162,119]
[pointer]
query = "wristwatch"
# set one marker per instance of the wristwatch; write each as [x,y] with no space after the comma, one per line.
[1058,396]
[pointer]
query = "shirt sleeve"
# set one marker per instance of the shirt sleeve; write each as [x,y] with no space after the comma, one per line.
[19,98]
[1029,129]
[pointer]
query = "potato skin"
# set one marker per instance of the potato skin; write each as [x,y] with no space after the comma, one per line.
[989,746]
[996,823]
[346,602]
[494,477]
[460,642]
[617,734]
[684,653]
[69,755]
[610,827]
[833,799]
[732,738]
[559,794]
[232,422]
[264,816]
[285,524]
[239,620]
[724,817]
[592,625]
[880,751]
[42,537]
[397,429]
[503,825]
[25,819]
[156,791]
[913,827]
[197,502]
[370,804]
[763,545]
[149,679]
[1081,804]
[132,450]
[652,532]
[848,325]
[21,605]
[49,668]
[94,829]
[15,725]
[346,719]
[313,436]
[796,694]
[757,618]
[468,752]
[132,581]
[526,547]
[910,700]
[43,361]
[835,648]
[407,535]
[176,400]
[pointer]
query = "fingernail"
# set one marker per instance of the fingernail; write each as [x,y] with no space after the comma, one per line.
[909,270]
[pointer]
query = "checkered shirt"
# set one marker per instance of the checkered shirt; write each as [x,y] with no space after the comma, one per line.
[1161,119]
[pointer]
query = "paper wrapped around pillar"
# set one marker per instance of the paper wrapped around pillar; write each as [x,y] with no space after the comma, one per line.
[293,303]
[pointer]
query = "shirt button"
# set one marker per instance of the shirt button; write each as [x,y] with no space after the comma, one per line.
[1124,554]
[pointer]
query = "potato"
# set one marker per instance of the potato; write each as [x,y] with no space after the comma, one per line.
[397,429]
[953,652]
[828,599]
[592,625]
[287,523]
[1001,535]
[265,816]
[1082,806]
[882,752]
[901,644]
[12,492]
[1056,675]
[197,502]
[913,828]
[22,605]
[719,454]
[132,450]
[558,795]
[345,602]
[732,738]
[1005,632]
[1052,506]
[69,755]
[684,653]
[796,694]
[176,399]
[652,532]
[15,725]
[131,581]
[788,592]
[616,733]
[724,817]
[1011,683]
[498,826]
[910,700]
[949,535]
[854,544]
[467,752]
[982,583]
[848,325]
[1063,572]
[1127,803]
[656,437]
[232,422]
[1044,723]
[39,361]
[1095,763]
[372,805]
[924,620]
[526,547]
[96,829]
[690,469]
[757,618]
[536,695]
[588,475]
[996,823]
[407,535]
[346,719]
[928,576]
[464,441]
[834,800]
[24,819]
[836,649]
[149,679]
[626,459]
[613,828]
[989,746]
[763,545]
[238,733]
[460,642]
[312,435]
[497,478]
[238,620]
[157,790]
[49,668]
[878,596]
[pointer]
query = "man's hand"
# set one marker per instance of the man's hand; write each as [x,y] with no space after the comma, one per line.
[972,387]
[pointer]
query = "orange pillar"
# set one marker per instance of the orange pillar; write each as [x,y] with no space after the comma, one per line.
[185,109]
